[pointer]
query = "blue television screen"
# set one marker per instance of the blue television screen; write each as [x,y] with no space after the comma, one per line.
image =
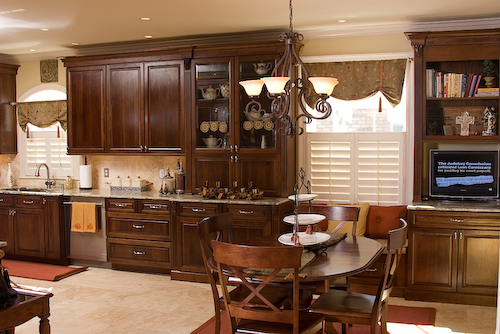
[463,174]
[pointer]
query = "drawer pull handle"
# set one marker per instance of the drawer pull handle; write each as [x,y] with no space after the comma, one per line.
[121,205]
[198,210]
[154,206]
[139,253]
[458,220]
[371,269]
[245,212]
[138,227]
[27,202]
[1,199]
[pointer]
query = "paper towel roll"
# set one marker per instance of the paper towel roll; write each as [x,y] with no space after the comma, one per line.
[85,177]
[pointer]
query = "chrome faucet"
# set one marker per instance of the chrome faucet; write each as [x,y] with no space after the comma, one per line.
[48,182]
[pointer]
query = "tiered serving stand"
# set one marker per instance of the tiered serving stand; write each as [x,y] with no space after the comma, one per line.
[310,237]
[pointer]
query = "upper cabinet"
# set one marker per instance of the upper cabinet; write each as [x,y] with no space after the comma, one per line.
[449,81]
[229,148]
[126,104]
[8,127]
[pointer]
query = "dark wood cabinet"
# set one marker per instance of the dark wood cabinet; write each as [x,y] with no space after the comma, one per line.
[33,227]
[453,256]
[449,53]
[86,109]
[8,119]
[128,104]
[226,145]
[139,234]
[249,221]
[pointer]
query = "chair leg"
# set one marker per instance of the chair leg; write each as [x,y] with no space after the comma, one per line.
[344,328]
[383,319]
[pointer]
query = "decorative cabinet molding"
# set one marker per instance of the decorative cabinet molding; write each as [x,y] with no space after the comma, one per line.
[8,120]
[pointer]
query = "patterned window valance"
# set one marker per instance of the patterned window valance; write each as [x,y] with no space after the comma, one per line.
[42,114]
[361,79]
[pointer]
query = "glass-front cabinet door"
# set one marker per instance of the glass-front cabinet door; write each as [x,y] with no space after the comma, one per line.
[213,107]
[255,134]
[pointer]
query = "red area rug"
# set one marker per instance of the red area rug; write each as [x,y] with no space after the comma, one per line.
[40,271]
[401,320]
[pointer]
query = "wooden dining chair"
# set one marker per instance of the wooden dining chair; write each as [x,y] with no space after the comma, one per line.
[220,227]
[340,213]
[357,308]
[256,313]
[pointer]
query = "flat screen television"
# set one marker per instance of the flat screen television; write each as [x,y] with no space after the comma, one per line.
[463,174]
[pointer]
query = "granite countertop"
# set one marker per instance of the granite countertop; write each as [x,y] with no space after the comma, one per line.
[457,205]
[106,193]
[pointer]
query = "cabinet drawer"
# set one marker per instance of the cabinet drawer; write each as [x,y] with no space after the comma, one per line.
[152,206]
[138,228]
[249,212]
[197,209]
[120,205]
[450,219]
[140,253]
[34,202]
[5,200]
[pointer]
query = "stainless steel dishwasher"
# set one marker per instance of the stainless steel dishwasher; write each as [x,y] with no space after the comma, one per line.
[87,248]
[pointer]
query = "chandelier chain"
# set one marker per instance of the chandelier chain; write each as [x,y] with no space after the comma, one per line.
[290,32]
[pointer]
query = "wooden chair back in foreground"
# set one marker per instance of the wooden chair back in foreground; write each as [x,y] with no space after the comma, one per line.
[213,228]
[356,308]
[256,313]
[340,213]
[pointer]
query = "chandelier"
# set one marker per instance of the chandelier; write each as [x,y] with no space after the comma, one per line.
[284,87]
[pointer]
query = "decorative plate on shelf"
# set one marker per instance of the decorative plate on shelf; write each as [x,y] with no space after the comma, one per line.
[268,125]
[204,127]
[248,125]
[214,126]
[304,218]
[304,239]
[303,197]
[258,125]
[223,127]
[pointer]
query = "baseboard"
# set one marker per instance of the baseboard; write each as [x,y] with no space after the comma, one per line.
[451,297]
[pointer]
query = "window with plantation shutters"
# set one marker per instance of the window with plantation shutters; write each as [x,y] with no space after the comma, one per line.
[356,168]
[44,146]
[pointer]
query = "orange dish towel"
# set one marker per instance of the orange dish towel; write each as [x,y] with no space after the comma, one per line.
[83,217]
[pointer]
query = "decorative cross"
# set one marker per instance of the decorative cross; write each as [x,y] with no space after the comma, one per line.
[465,120]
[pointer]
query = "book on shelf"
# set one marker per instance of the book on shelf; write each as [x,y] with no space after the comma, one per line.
[490,89]
[447,84]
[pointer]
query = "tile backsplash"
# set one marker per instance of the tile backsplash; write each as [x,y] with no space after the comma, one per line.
[147,167]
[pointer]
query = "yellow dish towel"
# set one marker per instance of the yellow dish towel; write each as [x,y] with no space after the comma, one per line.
[83,217]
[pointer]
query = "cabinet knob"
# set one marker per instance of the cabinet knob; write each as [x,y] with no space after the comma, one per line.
[235,158]
[235,148]
[1,199]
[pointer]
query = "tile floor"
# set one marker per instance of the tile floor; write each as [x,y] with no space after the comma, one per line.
[108,301]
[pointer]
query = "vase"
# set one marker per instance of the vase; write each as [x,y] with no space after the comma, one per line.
[489,81]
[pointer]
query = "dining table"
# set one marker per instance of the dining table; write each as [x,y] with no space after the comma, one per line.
[349,256]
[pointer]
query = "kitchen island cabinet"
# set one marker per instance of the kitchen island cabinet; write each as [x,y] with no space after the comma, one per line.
[33,227]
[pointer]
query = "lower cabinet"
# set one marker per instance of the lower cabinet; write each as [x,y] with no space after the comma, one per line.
[453,257]
[249,221]
[33,227]
[139,234]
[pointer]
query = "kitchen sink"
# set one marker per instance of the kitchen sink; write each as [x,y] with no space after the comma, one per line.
[26,189]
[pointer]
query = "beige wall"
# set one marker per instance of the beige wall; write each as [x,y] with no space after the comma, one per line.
[148,167]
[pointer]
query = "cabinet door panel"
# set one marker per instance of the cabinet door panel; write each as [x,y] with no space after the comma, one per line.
[29,236]
[125,108]
[212,168]
[191,258]
[86,110]
[8,120]
[6,233]
[478,263]
[55,246]
[164,109]
[433,260]
[263,170]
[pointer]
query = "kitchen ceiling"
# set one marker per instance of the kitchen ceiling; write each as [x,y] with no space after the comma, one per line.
[35,29]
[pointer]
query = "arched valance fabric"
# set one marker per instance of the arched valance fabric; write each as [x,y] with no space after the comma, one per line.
[361,79]
[42,114]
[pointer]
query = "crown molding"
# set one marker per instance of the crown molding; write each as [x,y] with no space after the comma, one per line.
[473,24]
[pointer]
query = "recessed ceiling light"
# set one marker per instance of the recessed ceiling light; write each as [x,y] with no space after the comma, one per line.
[145,19]
[342,21]
[75,44]
[44,29]
[32,50]
[148,36]
[11,11]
